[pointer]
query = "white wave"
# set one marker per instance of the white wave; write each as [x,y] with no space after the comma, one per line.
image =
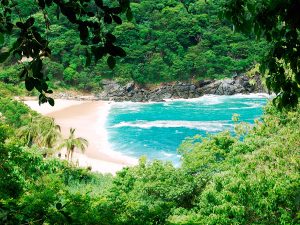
[102,143]
[253,105]
[211,126]
[167,154]
[205,100]
[178,132]
[219,99]
[253,95]
[250,105]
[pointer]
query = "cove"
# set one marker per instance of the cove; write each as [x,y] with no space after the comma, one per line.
[156,130]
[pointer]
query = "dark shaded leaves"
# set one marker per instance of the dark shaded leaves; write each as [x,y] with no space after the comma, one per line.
[29,83]
[107,19]
[111,62]
[117,19]
[88,58]
[129,14]
[99,3]
[29,22]
[3,56]
[51,102]
[41,4]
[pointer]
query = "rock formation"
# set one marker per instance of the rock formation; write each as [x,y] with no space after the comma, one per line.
[132,92]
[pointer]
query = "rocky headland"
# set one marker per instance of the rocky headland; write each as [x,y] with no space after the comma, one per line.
[112,91]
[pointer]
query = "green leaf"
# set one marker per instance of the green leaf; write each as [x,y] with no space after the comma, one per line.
[29,22]
[20,25]
[42,99]
[84,32]
[110,38]
[88,58]
[36,66]
[44,86]
[41,4]
[99,3]
[3,56]
[107,19]
[29,83]
[111,62]
[51,102]
[57,12]
[96,40]
[23,73]
[129,15]
[117,19]
[98,53]
[116,10]
[48,2]
[116,51]
[1,38]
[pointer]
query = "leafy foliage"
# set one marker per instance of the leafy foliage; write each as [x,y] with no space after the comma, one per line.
[73,142]
[165,41]
[279,23]
[223,179]
[89,19]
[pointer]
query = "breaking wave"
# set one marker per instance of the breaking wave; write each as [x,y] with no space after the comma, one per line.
[210,126]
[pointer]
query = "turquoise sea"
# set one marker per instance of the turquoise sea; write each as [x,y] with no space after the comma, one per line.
[157,129]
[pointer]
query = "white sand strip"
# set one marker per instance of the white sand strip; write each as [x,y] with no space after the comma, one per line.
[88,118]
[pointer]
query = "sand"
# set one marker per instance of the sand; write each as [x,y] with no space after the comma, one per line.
[88,118]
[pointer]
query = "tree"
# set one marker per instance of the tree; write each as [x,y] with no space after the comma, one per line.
[49,132]
[73,142]
[29,131]
[41,131]
[92,19]
[279,22]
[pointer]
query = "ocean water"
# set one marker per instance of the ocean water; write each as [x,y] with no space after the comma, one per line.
[156,130]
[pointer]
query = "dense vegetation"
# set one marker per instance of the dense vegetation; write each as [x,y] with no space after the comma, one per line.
[249,178]
[279,23]
[167,40]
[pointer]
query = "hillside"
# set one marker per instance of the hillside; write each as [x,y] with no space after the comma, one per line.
[166,41]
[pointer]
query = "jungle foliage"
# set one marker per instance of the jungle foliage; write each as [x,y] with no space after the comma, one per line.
[165,41]
[224,179]
[31,40]
[279,23]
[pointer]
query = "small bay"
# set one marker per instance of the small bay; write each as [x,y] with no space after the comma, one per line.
[156,130]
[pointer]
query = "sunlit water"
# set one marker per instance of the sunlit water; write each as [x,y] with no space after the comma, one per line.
[157,129]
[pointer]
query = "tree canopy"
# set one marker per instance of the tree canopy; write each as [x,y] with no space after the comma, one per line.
[223,179]
[90,18]
[279,22]
[165,41]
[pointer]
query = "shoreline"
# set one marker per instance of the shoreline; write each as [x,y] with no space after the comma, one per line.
[88,117]
[82,115]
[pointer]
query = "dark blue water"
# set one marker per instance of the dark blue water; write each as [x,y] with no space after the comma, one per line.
[157,129]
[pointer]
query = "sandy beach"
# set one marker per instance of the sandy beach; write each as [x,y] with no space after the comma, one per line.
[88,118]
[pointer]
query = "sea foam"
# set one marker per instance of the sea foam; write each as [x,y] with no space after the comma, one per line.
[210,126]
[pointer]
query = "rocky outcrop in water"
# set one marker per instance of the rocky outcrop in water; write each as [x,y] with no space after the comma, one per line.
[132,92]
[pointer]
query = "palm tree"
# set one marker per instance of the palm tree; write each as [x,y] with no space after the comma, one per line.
[73,142]
[41,131]
[49,133]
[29,131]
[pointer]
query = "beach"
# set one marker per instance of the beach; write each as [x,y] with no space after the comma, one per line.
[88,118]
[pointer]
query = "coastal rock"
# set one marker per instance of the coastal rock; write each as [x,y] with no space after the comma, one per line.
[133,92]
